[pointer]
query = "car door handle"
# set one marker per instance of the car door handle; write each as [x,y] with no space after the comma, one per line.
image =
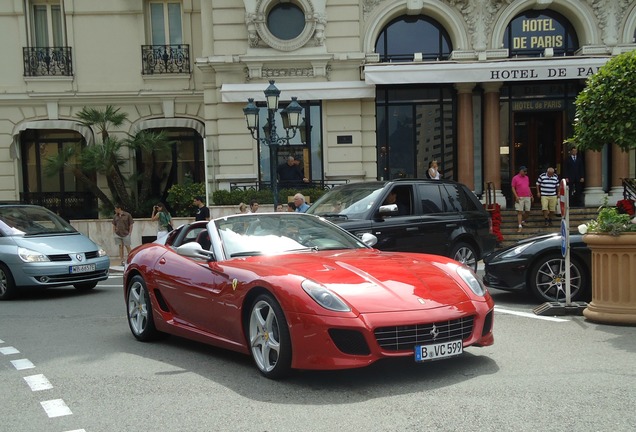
[412,228]
[452,225]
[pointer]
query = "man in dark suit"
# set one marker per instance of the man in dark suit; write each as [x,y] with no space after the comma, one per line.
[575,173]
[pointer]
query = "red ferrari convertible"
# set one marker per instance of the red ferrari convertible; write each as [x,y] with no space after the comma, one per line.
[297,292]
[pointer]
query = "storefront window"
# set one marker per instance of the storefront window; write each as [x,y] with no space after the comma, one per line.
[415,125]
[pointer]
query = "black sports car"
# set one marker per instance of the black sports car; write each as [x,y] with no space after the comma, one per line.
[536,265]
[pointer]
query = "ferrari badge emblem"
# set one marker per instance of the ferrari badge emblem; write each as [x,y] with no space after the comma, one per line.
[234,284]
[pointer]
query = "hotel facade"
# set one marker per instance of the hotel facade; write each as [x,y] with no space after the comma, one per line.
[386,86]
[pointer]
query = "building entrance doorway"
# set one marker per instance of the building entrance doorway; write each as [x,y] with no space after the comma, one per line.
[537,143]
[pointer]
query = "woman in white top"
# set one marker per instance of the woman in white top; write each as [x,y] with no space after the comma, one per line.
[163,219]
[433,170]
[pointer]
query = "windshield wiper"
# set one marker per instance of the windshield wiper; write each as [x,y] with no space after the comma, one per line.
[335,215]
[246,253]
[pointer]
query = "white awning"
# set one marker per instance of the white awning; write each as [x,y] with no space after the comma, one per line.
[86,132]
[302,90]
[162,123]
[480,72]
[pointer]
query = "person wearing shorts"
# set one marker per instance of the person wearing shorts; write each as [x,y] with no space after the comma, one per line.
[523,196]
[122,229]
[547,190]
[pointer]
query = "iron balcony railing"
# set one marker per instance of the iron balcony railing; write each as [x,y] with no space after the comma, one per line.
[165,59]
[48,61]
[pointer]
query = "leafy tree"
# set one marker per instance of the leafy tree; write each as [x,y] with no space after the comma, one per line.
[605,108]
[105,158]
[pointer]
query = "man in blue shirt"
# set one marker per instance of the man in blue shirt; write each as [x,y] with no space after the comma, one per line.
[299,202]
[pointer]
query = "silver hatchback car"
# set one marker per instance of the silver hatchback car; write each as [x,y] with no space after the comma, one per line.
[39,248]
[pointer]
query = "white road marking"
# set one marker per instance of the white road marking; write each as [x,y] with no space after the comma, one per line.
[77,430]
[38,382]
[110,286]
[1,341]
[8,350]
[55,408]
[528,315]
[22,364]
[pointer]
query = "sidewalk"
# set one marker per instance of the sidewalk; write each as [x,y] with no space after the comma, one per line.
[115,265]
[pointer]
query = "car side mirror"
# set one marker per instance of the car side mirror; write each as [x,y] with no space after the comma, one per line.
[387,210]
[369,239]
[194,250]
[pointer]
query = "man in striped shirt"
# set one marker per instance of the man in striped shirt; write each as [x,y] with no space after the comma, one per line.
[547,190]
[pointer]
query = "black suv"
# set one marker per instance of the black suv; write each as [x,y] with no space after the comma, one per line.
[441,217]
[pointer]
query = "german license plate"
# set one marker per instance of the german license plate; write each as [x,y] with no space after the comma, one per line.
[82,268]
[438,351]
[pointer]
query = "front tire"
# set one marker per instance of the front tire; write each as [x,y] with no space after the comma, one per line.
[465,254]
[547,279]
[269,338]
[140,319]
[7,284]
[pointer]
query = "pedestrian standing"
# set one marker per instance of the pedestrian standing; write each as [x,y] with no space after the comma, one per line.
[203,212]
[163,219]
[122,229]
[547,191]
[523,196]
[575,172]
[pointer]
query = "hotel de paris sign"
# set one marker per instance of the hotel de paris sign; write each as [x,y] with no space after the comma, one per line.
[488,71]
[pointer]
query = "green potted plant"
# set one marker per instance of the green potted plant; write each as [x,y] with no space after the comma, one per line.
[605,115]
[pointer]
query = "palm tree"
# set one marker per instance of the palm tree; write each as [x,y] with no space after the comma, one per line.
[106,158]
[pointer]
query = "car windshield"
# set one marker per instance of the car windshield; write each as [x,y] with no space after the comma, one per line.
[31,220]
[348,202]
[275,233]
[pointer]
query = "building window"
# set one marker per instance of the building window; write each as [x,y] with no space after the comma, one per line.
[286,21]
[306,146]
[540,33]
[165,23]
[183,163]
[60,191]
[415,125]
[47,25]
[407,35]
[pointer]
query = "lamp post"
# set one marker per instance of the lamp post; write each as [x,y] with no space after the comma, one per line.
[291,121]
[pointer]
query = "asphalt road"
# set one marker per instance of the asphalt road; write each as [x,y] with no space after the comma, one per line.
[69,363]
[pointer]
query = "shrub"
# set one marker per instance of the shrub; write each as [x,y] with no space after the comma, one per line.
[180,198]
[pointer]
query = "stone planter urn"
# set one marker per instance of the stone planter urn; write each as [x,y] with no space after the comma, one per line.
[613,278]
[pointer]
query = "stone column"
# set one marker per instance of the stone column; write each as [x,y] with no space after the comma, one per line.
[465,144]
[593,195]
[492,161]
[620,170]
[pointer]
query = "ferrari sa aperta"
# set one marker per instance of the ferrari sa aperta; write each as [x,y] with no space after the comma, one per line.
[295,291]
[536,265]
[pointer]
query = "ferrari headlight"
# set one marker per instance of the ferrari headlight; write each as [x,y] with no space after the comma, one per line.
[324,297]
[515,251]
[469,277]
[28,255]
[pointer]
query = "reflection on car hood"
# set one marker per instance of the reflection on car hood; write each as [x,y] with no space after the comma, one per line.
[51,245]
[373,281]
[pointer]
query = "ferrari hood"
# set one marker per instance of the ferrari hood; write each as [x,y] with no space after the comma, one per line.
[373,281]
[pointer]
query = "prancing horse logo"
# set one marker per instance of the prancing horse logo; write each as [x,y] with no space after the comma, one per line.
[434,332]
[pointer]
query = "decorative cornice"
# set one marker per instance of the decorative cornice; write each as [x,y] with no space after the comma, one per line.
[479,16]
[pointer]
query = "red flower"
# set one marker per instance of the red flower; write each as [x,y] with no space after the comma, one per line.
[626,206]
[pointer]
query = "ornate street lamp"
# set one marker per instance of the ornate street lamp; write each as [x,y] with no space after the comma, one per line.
[291,119]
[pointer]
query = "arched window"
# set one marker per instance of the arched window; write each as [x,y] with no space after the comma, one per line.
[407,35]
[530,33]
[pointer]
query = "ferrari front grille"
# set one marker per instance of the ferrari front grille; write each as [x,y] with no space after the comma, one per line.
[401,338]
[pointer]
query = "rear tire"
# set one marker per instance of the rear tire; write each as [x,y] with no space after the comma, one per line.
[8,289]
[546,280]
[465,254]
